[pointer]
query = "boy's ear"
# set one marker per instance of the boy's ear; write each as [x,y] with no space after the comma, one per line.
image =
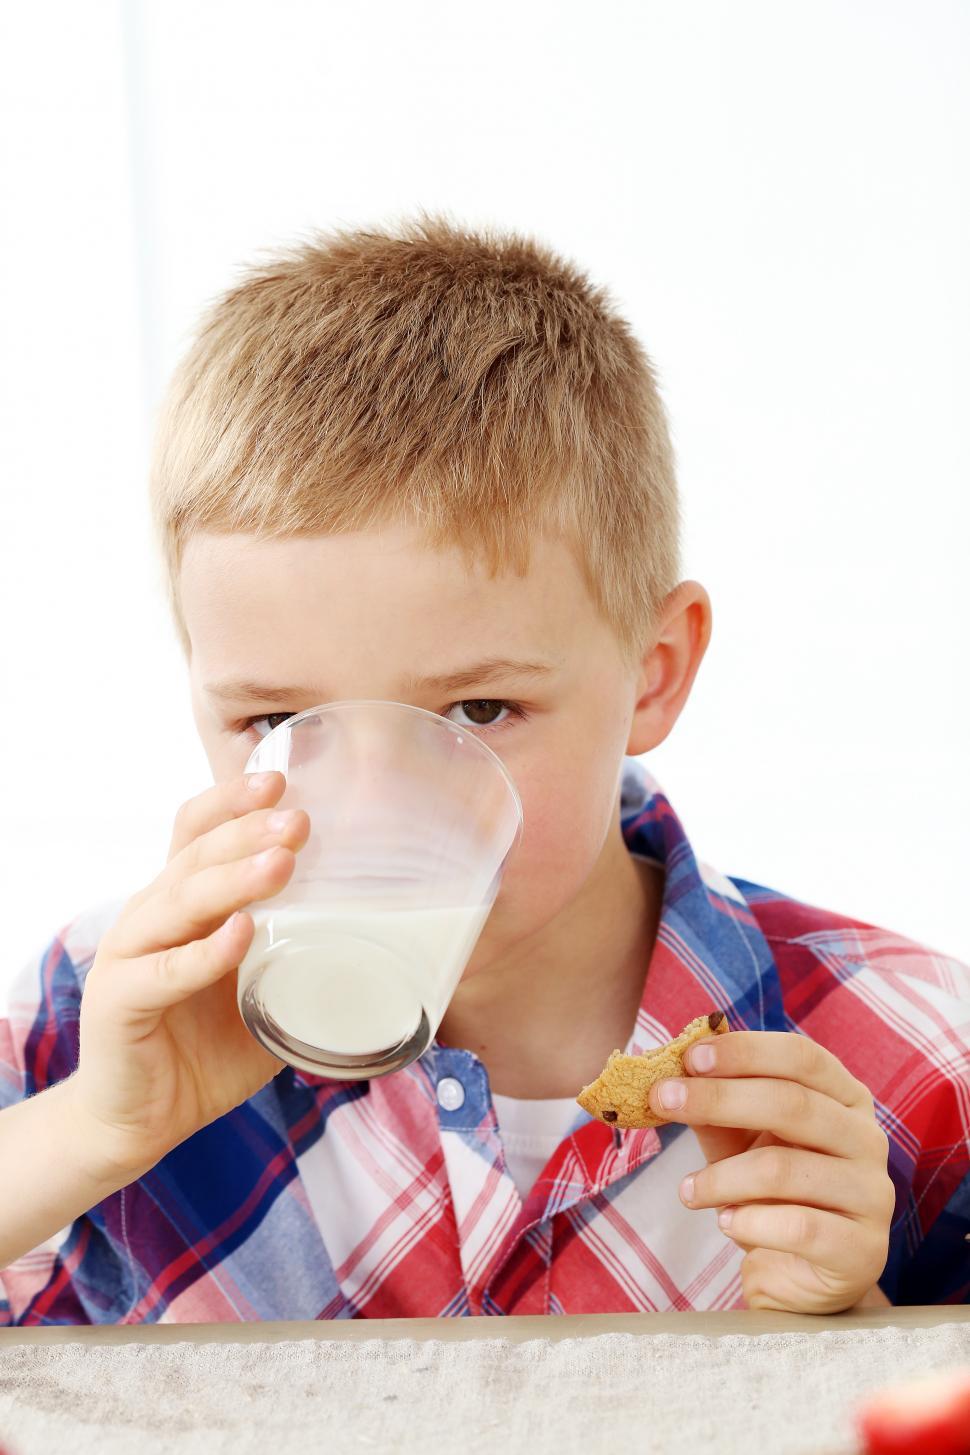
[670,665]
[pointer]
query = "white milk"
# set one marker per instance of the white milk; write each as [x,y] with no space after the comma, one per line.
[355,981]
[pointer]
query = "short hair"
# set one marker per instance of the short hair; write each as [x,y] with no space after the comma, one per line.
[470,383]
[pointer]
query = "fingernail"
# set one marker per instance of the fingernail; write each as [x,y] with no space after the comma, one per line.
[702,1058]
[725,1217]
[255,781]
[687,1189]
[672,1094]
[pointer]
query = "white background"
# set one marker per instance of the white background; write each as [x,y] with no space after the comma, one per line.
[776,194]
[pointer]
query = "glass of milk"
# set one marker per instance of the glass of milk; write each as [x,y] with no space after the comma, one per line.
[412,820]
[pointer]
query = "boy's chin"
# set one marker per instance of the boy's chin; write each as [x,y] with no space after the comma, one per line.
[487,950]
[476,965]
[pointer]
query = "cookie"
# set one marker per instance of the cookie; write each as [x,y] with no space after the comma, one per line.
[618,1096]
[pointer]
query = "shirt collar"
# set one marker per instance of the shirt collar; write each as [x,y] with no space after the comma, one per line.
[710,953]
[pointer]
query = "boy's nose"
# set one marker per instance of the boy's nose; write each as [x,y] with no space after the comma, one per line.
[369,752]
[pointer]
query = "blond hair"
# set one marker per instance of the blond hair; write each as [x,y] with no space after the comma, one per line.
[470,383]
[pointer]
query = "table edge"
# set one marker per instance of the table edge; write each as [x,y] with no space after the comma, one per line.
[516,1328]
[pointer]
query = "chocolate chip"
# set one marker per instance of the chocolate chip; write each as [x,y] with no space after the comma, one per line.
[715,1019]
[610,1116]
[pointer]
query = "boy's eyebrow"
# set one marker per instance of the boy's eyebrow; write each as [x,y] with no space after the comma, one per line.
[237,689]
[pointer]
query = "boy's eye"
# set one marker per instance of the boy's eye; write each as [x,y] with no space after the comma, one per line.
[475,709]
[280,717]
[478,707]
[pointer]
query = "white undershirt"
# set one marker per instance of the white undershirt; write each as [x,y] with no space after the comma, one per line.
[531,1130]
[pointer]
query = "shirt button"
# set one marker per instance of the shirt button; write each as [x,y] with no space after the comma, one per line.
[451,1093]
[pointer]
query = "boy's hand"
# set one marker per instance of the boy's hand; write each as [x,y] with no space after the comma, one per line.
[798,1161]
[163,1048]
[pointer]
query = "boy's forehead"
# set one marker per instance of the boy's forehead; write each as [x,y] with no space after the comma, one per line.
[401,543]
[379,564]
[378,594]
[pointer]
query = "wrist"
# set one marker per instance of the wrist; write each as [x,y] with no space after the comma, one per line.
[98,1153]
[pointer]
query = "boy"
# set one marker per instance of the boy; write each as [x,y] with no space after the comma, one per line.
[421,466]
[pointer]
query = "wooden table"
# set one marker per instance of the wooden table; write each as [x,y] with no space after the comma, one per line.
[516,1328]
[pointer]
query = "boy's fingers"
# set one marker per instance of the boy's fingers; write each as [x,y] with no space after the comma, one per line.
[193,907]
[216,805]
[825,1239]
[791,1175]
[717,1143]
[783,1054]
[220,803]
[236,839]
[786,1109]
[157,982]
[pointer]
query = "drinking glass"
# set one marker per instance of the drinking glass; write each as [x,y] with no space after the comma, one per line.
[412,821]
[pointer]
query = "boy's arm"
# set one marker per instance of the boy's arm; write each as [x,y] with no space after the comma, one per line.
[51,1171]
[69,1141]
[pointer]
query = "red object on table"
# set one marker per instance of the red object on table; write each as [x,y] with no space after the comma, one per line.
[925,1416]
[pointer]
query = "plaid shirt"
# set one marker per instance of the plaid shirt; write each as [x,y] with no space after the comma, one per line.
[320,1199]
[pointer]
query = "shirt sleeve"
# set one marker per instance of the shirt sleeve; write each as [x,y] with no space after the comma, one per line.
[64,1279]
[39,1036]
[929,1251]
[897,1014]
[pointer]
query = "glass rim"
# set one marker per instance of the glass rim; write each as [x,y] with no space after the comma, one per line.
[407,707]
